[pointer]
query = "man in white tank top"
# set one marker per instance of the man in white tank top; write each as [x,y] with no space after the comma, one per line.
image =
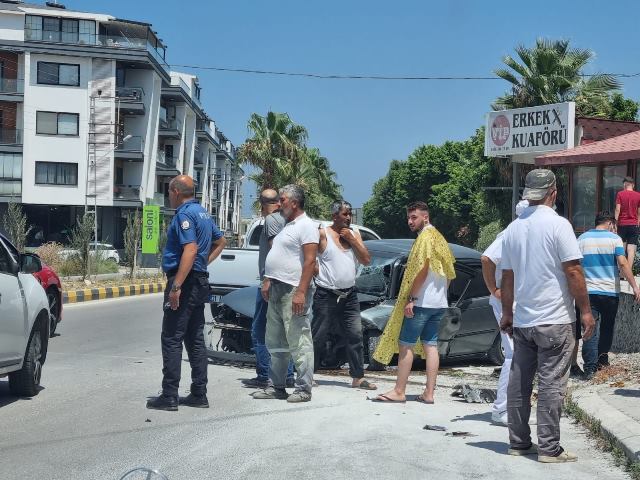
[336,309]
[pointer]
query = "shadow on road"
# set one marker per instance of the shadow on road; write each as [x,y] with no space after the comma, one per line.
[497,447]
[7,398]
[476,417]
[627,392]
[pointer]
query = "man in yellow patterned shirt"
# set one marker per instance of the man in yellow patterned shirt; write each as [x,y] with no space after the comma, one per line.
[420,306]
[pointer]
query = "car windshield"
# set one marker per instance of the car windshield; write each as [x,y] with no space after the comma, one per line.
[375,278]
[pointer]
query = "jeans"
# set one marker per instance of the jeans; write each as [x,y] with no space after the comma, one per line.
[343,318]
[186,324]
[595,350]
[258,329]
[288,336]
[545,350]
[424,324]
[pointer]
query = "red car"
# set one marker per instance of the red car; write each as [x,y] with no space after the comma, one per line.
[53,288]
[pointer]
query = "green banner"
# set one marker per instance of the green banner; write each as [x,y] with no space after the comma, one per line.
[150,228]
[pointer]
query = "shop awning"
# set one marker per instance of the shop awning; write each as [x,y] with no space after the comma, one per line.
[615,149]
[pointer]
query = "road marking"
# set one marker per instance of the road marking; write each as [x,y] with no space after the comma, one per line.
[111,300]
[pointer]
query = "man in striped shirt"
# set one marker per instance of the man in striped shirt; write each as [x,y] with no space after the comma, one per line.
[604,258]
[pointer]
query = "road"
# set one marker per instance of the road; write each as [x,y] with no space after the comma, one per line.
[90,421]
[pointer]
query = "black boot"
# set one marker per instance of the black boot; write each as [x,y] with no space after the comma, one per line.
[163,402]
[197,401]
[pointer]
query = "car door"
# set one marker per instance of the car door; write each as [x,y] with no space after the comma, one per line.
[478,328]
[12,311]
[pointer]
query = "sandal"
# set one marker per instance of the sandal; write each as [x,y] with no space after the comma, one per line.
[365,385]
[385,399]
[420,399]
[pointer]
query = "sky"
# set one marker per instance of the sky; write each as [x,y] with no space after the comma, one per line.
[361,125]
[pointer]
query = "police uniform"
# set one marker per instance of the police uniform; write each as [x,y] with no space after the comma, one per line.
[191,223]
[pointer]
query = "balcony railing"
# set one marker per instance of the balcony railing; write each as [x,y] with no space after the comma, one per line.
[165,159]
[126,192]
[11,85]
[169,124]
[10,136]
[130,94]
[133,144]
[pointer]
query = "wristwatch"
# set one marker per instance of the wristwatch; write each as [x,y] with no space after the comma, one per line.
[176,287]
[412,299]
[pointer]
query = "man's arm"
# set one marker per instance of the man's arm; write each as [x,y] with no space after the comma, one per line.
[506,294]
[310,251]
[489,275]
[216,248]
[617,214]
[189,252]
[362,254]
[421,277]
[625,268]
[578,288]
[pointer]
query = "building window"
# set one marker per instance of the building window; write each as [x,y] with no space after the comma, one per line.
[612,177]
[54,123]
[59,74]
[50,173]
[583,197]
[69,29]
[10,173]
[65,30]
[32,27]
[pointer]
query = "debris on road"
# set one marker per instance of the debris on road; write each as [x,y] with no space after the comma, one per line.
[460,434]
[436,428]
[474,394]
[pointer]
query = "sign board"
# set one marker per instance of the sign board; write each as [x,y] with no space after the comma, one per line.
[545,128]
[150,228]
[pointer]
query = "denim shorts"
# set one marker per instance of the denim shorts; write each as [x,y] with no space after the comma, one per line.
[424,324]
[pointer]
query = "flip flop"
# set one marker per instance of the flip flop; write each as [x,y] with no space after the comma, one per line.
[385,399]
[365,385]
[420,399]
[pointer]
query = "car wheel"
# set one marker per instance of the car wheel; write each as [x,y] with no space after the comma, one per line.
[54,309]
[495,354]
[372,339]
[25,382]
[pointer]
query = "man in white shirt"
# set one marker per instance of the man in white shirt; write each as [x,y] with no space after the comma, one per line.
[541,270]
[492,272]
[288,272]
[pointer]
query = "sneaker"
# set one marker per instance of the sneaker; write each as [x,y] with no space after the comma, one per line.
[255,383]
[291,382]
[197,401]
[299,397]
[588,375]
[271,393]
[163,402]
[564,457]
[576,372]
[520,452]
[499,418]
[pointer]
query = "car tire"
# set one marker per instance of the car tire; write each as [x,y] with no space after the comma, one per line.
[25,382]
[53,297]
[495,355]
[372,339]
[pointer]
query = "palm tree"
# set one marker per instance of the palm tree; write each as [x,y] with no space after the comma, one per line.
[552,72]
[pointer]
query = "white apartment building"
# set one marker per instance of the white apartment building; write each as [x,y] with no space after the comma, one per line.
[92,114]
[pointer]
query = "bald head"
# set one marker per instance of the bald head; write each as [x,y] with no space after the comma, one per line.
[183,184]
[269,201]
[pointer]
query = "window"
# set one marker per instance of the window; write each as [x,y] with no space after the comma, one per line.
[5,260]
[612,177]
[51,29]
[32,27]
[69,31]
[367,235]
[87,31]
[54,123]
[50,173]
[55,29]
[59,74]
[10,166]
[583,197]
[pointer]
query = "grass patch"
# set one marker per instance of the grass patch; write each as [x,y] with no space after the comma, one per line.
[117,282]
[603,440]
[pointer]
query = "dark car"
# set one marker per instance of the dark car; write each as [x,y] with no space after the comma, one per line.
[468,330]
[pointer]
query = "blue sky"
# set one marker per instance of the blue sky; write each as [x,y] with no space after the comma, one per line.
[362,125]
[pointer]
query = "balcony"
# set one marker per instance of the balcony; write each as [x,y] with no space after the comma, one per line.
[166,160]
[126,193]
[131,149]
[205,132]
[130,100]
[169,129]
[11,139]
[11,89]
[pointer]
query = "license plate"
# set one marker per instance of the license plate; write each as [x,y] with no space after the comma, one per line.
[215,298]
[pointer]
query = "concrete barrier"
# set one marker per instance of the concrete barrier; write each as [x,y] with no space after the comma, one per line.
[99,293]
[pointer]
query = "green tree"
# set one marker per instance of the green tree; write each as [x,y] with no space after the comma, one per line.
[80,240]
[552,72]
[623,108]
[15,224]
[132,240]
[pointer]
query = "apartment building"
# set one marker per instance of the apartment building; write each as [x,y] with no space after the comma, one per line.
[93,117]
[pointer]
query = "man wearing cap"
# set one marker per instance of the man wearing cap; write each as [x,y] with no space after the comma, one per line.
[628,217]
[541,269]
[492,272]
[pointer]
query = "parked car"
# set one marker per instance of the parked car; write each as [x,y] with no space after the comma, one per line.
[238,267]
[53,288]
[467,331]
[107,252]
[24,315]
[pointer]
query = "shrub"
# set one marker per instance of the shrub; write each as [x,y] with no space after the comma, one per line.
[15,223]
[488,234]
[50,254]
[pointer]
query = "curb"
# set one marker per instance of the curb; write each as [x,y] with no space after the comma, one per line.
[623,430]
[89,294]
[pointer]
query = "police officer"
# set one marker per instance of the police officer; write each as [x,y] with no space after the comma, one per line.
[193,241]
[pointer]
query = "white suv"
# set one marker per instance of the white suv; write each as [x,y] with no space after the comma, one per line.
[24,320]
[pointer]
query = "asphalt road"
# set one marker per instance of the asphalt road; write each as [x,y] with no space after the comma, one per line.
[90,421]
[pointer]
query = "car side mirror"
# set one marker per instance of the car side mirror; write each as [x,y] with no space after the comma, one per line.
[30,263]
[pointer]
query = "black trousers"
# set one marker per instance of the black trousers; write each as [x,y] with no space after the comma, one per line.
[186,324]
[607,307]
[343,318]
